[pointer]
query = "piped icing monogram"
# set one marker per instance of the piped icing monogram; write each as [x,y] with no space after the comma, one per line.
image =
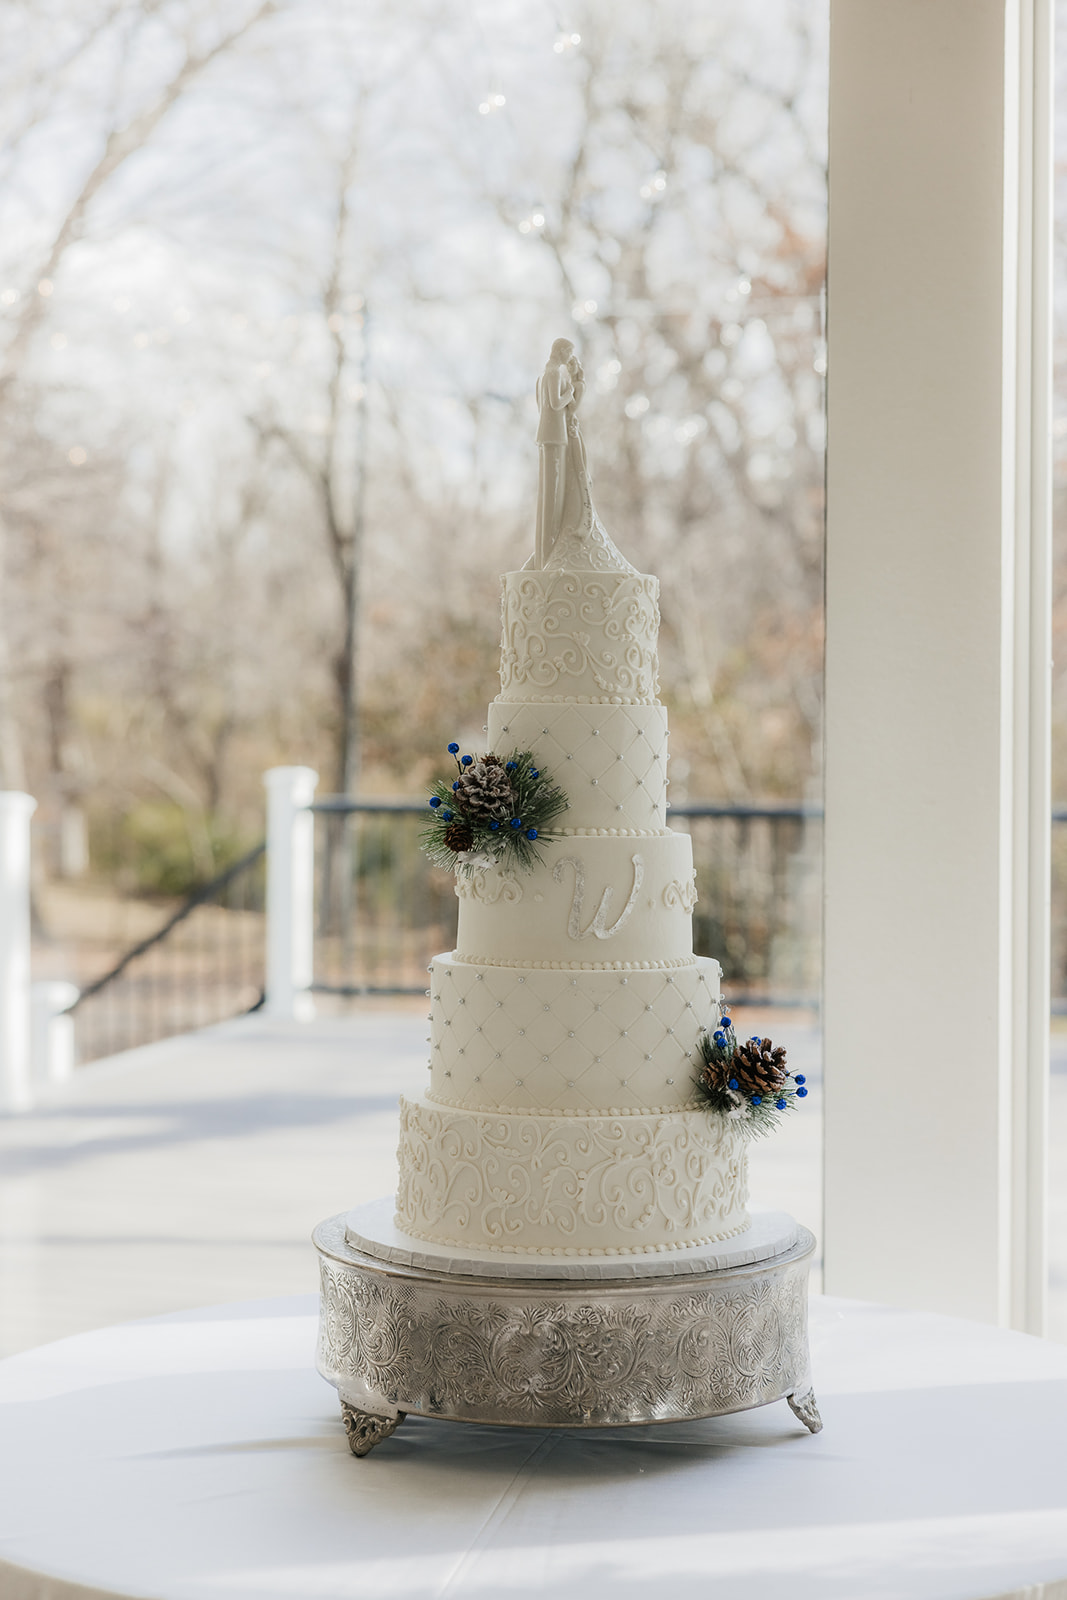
[488,887]
[681,894]
[598,927]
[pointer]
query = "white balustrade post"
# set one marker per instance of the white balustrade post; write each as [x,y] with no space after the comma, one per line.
[52,1030]
[290,891]
[15,813]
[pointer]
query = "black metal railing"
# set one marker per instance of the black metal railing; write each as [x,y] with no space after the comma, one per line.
[204,964]
[382,910]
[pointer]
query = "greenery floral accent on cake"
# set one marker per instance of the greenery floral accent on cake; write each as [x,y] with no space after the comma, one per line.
[749,1082]
[497,811]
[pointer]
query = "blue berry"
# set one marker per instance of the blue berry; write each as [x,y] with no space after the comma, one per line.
[466,760]
[534,772]
[719,1037]
[494,826]
[455,786]
[780,1104]
[510,766]
[757,1099]
[516,822]
[732,1083]
[453,749]
[447,816]
[531,833]
[434,801]
[725,1022]
[801,1078]
[801,1093]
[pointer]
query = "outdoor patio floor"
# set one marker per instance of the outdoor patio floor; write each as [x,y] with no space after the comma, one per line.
[192,1172]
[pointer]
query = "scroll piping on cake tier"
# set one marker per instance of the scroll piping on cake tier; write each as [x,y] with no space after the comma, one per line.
[552,1185]
[580,634]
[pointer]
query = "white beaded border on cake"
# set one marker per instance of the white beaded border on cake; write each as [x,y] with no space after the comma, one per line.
[578,700]
[573,966]
[613,1112]
[574,1250]
[617,833]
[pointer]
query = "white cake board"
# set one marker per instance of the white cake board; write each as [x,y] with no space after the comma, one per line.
[371,1227]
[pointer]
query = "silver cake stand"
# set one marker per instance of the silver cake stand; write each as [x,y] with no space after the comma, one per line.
[572,1343]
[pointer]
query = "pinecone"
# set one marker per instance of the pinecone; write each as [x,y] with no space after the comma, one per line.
[758,1066]
[713,1080]
[485,790]
[458,836]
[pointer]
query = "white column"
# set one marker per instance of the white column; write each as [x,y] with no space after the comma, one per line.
[15,813]
[290,891]
[937,798]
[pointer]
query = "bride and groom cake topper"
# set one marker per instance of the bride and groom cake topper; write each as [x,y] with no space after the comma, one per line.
[559,446]
[568,530]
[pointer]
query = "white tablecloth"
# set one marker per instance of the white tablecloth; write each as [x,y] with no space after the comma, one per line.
[199,1457]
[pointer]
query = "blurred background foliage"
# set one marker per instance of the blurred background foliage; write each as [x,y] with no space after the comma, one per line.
[275,283]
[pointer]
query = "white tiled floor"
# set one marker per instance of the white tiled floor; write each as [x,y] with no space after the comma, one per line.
[193,1171]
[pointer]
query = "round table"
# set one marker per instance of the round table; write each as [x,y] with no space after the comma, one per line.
[198,1456]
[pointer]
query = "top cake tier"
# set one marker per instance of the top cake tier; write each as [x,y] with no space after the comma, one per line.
[579,635]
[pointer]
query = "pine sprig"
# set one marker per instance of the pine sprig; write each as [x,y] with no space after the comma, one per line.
[725,1085]
[490,823]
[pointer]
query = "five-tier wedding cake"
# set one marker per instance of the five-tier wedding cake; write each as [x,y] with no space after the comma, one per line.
[562,1116]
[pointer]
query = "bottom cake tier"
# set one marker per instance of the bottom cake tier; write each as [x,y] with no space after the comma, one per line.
[570,1185]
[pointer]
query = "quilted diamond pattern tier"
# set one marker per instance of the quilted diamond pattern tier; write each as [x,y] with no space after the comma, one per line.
[506,1038]
[611,761]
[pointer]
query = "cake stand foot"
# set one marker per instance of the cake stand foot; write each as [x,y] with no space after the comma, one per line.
[365,1430]
[803,1406]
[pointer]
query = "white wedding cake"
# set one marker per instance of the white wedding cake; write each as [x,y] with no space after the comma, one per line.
[562,1116]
